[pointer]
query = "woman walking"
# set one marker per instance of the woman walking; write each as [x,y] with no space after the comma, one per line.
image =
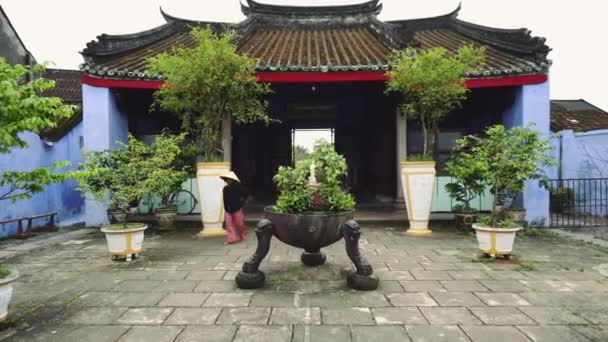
[234,200]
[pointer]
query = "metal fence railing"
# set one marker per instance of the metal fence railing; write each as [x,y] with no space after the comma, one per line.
[581,202]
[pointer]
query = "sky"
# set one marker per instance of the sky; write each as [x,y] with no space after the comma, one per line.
[55,31]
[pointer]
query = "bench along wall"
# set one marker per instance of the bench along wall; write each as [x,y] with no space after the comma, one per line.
[62,198]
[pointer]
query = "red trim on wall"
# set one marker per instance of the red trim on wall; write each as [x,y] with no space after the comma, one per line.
[320,77]
[113,83]
[506,81]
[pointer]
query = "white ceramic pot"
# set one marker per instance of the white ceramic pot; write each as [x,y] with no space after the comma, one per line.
[418,182]
[166,218]
[127,243]
[210,187]
[6,293]
[495,241]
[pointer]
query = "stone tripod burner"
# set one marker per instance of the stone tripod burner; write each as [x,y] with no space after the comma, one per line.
[310,231]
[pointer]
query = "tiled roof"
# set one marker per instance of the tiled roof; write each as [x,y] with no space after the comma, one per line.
[577,115]
[69,89]
[334,38]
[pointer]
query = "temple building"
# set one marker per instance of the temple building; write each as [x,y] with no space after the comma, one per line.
[327,67]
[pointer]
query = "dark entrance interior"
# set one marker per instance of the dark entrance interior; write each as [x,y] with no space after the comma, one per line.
[362,120]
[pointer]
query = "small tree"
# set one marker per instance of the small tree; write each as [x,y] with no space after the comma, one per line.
[507,159]
[207,85]
[467,176]
[432,84]
[22,109]
[133,170]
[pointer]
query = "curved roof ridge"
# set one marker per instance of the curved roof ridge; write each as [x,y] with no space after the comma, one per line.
[171,18]
[253,7]
[451,15]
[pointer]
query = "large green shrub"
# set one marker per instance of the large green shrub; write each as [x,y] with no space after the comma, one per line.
[295,196]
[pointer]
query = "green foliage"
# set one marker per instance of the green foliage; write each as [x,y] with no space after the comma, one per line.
[125,226]
[432,84]
[467,176]
[300,153]
[208,83]
[486,221]
[5,271]
[506,159]
[330,167]
[132,170]
[22,109]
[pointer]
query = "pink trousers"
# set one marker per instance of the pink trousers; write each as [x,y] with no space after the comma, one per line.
[235,226]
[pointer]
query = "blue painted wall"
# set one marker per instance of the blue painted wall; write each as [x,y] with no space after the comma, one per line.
[62,198]
[104,123]
[532,105]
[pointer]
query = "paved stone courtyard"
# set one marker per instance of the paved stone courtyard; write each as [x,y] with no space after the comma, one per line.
[432,289]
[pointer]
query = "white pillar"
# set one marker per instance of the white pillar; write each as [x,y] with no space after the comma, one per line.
[103,126]
[401,150]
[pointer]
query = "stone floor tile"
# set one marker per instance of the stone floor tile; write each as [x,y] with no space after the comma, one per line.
[372,299]
[97,299]
[552,315]
[95,316]
[449,315]
[468,275]
[230,275]
[390,286]
[176,286]
[273,299]
[505,285]
[384,334]
[507,275]
[472,266]
[436,333]
[456,299]
[228,299]
[501,315]
[216,286]
[184,299]
[553,333]
[502,299]
[168,275]
[595,315]
[206,275]
[431,275]
[322,300]
[393,275]
[321,333]
[411,299]
[490,333]
[212,333]
[593,332]
[147,334]
[193,316]
[398,316]
[302,316]
[145,316]
[402,266]
[439,266]
[421,285]
[258,333]
[98,333]
[586,285]
[137,285]
[244,316]
[138,298]
[546,285]
[347,316]
[463,285]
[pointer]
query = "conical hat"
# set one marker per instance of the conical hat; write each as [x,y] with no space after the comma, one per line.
[230,175]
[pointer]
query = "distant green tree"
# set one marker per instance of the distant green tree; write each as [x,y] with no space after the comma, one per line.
[432,84]
[208,84]
[300,153]
[23,109]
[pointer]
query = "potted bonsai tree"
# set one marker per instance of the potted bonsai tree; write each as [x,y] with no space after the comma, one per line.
[466,184]
[508,158]
[167,177]
[312,211]
[209,86]
[117,177]
[432,83]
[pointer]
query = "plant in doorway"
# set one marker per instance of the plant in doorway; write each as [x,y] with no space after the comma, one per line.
[466,185]
[432,82]
[507,158]
[312,211]
[209,86]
